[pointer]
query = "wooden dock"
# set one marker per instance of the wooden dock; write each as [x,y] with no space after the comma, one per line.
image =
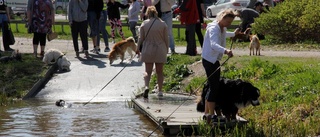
[174,114]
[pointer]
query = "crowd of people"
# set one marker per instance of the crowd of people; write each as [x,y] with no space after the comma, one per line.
[155,38]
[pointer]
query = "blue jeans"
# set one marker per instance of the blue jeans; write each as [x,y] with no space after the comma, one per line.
[102,28]
[167,18]
[133,25]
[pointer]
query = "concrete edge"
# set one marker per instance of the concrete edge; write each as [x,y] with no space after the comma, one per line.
[36,88]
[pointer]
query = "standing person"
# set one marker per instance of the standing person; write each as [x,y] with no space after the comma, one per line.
[114,17]
[189,17]
[213,49]
[40,15]
[166,16]
[94,11]
[202,13]
[102,27]
[154,37]
[4,22]
[146,4]
[77,15]
[133,14]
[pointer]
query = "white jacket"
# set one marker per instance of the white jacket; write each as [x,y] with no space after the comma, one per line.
[215,42]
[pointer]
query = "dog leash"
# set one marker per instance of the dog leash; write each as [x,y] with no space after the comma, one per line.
[191,94]
[109,81]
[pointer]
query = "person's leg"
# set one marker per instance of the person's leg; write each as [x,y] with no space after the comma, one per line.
[113,26]
[119,25]
[35,42]
[84,36]
[191,45]
[159,71]
[213,76]
[103,23]
[5,36]
[147,77]
[43,41]
[133,25]
[74,33]
[94,28]
[199,34]
[167,18]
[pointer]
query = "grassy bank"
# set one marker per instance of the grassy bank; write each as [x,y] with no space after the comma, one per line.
[289,94]
[16,77]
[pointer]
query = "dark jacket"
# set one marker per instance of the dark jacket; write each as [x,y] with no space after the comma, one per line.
[96,6]
[113,9]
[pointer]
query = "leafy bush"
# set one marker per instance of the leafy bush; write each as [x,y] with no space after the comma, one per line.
[291,21]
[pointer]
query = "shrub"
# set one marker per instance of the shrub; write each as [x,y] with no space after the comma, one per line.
[291,21]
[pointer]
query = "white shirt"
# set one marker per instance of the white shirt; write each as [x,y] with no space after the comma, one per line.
[215,42]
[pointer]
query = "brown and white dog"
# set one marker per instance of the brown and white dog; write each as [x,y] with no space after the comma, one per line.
[254,45]
[121,47]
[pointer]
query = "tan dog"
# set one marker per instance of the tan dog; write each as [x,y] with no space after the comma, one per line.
[254,44]
[121,47]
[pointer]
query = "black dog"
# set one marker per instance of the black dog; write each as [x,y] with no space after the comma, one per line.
[14,56]
[62,103]
[233,95]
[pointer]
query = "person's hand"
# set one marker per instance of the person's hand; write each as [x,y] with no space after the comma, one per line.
[229,53]
[138,52]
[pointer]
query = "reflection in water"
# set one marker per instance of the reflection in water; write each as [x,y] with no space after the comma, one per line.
[38,118]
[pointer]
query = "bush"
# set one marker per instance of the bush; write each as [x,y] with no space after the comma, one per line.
[291,21]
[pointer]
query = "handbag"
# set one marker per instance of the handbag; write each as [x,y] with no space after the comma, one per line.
[140,49]
[10,36]
[53,35]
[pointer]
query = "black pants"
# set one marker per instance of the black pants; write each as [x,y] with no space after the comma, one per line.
[76,28]
[5,37]
[191,41]
[213,75]
[198,32]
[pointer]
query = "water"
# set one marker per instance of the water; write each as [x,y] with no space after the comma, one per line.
[40,118]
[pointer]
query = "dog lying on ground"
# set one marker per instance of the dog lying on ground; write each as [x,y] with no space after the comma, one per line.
[244,36]
[232,96]
[120,48]
[254,44]
[15,55]
[52,56]
[62,103]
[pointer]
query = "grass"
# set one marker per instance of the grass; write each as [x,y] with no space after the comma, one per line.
[16,78]
[289,94]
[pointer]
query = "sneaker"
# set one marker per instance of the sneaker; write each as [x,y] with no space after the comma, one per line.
[95,51]
[107,49]
[160,94]
[145,94]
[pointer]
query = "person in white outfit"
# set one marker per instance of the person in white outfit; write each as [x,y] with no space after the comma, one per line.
[214,47]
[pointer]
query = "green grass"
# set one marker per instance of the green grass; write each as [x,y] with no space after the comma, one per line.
[16,78]
[289,98]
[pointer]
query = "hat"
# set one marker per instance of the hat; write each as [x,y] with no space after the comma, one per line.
[258,4]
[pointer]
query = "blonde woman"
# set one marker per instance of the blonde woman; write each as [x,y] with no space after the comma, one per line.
[155,41]
[214,47]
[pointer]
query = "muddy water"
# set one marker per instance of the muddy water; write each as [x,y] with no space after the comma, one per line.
[39,118]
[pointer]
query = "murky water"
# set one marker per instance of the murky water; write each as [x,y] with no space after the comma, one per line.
[40,118]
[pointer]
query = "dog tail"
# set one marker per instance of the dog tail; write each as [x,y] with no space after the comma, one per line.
[130,39]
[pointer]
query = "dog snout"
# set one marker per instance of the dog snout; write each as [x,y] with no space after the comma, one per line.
[255,102]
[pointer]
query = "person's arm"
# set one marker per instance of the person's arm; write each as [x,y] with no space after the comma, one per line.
[141,38]
[154,2]
[214,38]
[53,14]
[166,39]
[122,5]
[83,5]
[203,10]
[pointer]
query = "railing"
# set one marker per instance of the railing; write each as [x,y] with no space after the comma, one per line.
[62,24]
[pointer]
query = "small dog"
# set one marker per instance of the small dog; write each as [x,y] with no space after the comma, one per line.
[15,55]
[254,44]
[121,47]
[62,103]
[233,95]
[56,56]
[242,36]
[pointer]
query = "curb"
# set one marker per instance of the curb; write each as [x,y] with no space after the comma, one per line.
[36,88]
